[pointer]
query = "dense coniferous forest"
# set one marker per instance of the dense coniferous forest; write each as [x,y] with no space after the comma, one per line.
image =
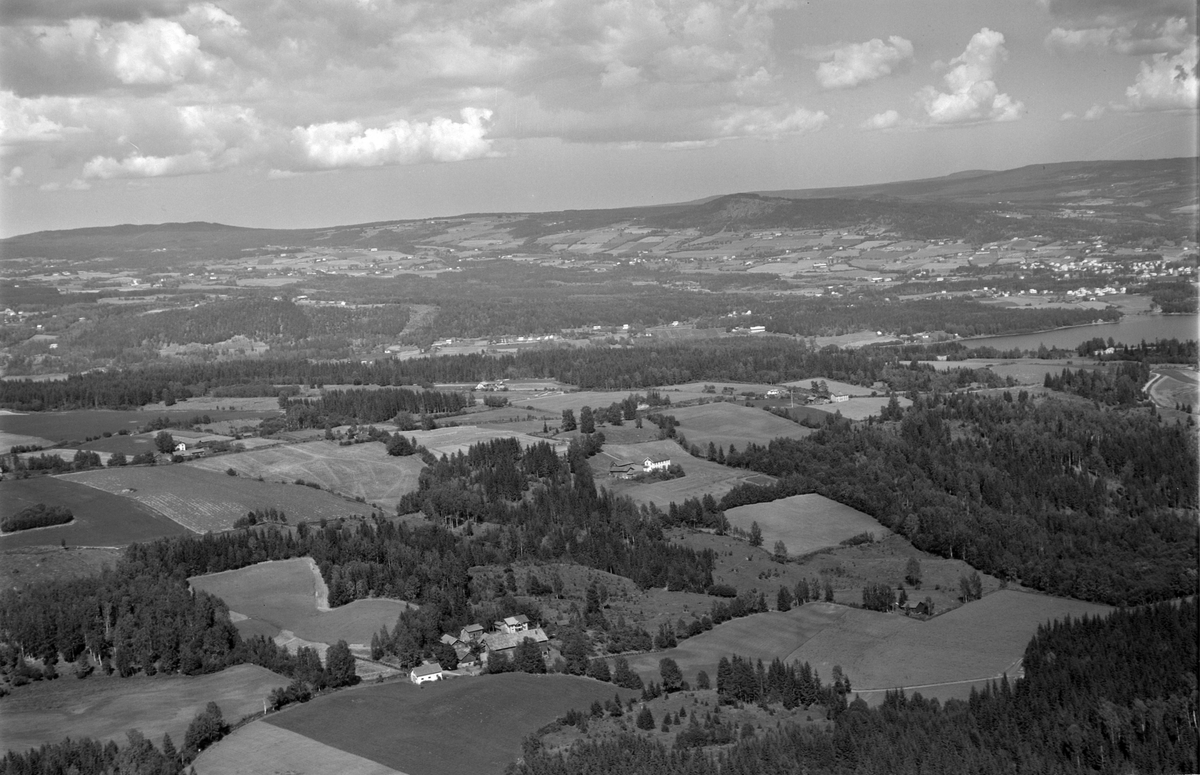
[1100,695]
[1063,496]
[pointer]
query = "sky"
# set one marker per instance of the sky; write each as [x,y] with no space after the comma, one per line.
[306,113]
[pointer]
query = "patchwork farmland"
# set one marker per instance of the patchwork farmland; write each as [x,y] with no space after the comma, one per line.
[805,523]
[101,518]
[880,651]
[287,598]
[204,501]
[359,470]
[106,708]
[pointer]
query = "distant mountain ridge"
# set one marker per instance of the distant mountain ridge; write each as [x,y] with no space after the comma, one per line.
[1149,195]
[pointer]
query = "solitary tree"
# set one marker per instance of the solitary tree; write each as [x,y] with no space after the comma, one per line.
[781,552]
[756,537]
[568,420]
[672,677]
[164,442]
[587,423]
[912,572]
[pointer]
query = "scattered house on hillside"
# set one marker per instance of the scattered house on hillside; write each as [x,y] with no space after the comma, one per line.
[514,624]
[656,463]
[472,633]
[839,398]
[776,393]
[426,673]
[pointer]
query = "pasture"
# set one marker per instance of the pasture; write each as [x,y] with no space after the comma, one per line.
[204,501]
[805,523]
[834,386]
[105,708]
[358,470]
[700,476]
[724,423]
[288,596]
[101,518]
[445,727]
[880,651]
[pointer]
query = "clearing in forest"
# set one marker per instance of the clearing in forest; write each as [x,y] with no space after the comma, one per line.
[287,596]
[364,471]
[805,523]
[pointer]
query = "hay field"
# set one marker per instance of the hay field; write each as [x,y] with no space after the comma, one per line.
[358,470]
[461,725]
[449,441]
[285,598]
[724,423]
[805,523]
[558,401]
[105,708]
[101,518]
[264,749]
[205,501]
[700,476]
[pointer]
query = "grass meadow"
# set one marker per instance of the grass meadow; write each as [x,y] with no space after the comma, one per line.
[265,748]
[724,423]
[105,708]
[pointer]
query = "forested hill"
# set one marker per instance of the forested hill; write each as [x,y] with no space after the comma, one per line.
[1131,198]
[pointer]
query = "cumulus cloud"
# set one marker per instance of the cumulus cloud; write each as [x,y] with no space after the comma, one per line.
[340,144]
[885,120]
[140,166]
[973,95]
[1170,35]
[1166,83]
[767,123]
[858,63]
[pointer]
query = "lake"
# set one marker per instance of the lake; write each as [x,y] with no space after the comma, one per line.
[1131,330]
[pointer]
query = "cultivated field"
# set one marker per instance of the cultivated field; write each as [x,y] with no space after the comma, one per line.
[78,425]
[724,423]
[10,440]
[556,401]
[443,728]
[105,708]
[858,408]
[834,386]
[805,523]
[1025,371]
[101,518]
[450,441]
[130,444]
[880,651]
[286,598]
[265,749]
[358,470]
[700,476]
[204,501]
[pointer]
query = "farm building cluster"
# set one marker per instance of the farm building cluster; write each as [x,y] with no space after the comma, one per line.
[474,645]
[627,469]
